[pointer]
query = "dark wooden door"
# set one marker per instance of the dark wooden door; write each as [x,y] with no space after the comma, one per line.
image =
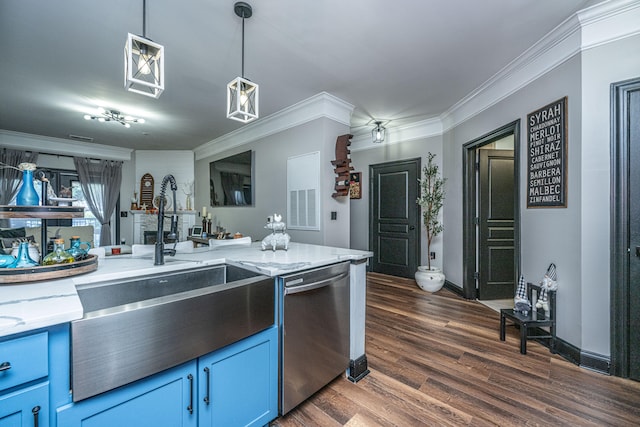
[625,229]
[634,234]
[394,218]
[496,225]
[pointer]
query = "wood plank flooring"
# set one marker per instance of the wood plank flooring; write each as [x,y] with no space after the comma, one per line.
[437,360]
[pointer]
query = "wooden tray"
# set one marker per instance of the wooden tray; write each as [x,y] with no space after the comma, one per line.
[10,276]
[44,212]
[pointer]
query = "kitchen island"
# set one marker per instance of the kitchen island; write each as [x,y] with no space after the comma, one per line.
[45,306]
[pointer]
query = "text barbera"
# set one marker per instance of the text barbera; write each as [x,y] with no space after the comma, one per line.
[547,156]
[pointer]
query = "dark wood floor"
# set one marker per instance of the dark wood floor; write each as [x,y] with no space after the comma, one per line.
[436,359]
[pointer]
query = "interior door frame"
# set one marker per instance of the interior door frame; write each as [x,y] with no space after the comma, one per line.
[373,187]
[619,232]
[469,204]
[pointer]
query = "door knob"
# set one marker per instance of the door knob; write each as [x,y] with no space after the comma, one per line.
[411,227]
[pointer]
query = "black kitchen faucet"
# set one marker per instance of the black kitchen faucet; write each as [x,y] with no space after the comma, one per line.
[172,236]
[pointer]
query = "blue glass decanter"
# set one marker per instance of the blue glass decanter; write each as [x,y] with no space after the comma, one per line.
[23,260]
[27,195]
[6,260]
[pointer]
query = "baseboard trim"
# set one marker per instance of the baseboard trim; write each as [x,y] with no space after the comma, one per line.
[453,288]
[358,369]
[595,362]
[584,359]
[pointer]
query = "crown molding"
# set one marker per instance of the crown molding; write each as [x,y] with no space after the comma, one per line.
[395,135]
[597,25]
[322,105]
[50,145]
[552,50]
[610,21]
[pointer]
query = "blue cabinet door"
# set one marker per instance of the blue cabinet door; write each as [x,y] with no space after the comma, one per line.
[27,358]
[238,385]
[23,407]
[163,400]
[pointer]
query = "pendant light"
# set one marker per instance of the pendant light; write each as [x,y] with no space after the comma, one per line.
[242,94]
[378,132]
[143,63]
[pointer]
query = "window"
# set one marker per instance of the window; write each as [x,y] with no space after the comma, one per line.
[69,180]
[89,218]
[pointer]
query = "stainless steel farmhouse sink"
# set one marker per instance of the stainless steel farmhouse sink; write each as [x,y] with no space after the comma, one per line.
[106,295]
[137,327]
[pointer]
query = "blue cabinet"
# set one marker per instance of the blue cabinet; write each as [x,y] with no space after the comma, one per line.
[160,400]
[238,385]
[24,389]
[234,386]
[26,407]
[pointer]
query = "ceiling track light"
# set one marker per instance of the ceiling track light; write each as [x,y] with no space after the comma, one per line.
[113,116]
[242,93]
[378,132]
[143,63]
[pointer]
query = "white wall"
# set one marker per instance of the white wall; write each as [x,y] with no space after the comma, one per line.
[575,238]
[547,235]
[160,163]
[126,193]
[601,66]
[270,157]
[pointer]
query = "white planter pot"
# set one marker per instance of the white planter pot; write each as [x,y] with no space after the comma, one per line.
[430,280]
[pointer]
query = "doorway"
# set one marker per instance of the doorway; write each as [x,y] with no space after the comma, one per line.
[496,219]
[491,229]
[625,229]
[394,218]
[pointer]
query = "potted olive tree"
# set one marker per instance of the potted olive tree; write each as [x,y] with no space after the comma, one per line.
[431,198]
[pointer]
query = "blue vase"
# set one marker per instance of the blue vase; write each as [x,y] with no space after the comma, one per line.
[27,196]
[6,260]
[23,260]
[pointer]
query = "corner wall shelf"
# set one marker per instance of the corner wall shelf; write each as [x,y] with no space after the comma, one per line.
[342,166]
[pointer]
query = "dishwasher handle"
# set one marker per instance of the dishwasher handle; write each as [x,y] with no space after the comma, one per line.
[314,285]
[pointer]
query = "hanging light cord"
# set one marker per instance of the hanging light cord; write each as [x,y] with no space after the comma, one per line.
[144,20]
[242,44]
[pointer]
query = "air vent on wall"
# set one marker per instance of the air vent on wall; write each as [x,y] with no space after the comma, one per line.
[81,138]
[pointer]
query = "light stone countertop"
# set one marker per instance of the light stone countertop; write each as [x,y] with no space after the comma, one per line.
[30,306]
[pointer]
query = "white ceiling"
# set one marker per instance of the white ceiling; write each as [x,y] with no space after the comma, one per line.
[398,61]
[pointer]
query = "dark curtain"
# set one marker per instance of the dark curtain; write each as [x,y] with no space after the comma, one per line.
[232,187]
[100,181]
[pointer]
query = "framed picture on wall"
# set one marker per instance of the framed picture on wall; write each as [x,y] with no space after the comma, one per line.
[355,188]
[547,156]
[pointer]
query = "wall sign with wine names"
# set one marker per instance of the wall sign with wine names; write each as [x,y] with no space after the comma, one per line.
[547,156]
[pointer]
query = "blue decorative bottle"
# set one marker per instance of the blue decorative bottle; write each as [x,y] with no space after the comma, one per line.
[27,196]
[23,260]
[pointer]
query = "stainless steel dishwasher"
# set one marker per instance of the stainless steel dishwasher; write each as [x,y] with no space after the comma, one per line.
[315,331]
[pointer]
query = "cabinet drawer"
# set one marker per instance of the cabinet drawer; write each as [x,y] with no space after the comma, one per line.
[23,360]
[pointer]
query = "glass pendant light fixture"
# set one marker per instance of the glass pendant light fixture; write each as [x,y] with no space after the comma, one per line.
[242,94]
[143,63]
[378,132]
